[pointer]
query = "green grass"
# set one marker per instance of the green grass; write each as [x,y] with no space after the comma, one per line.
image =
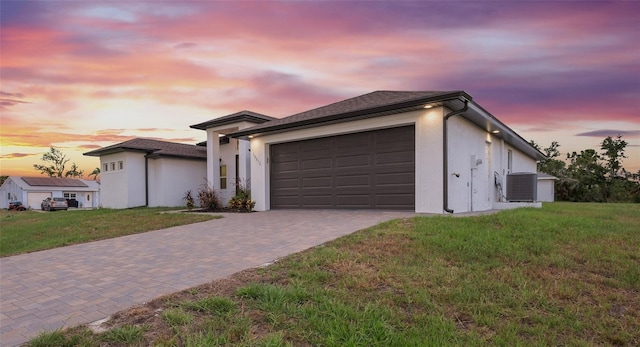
[29,231]
[566,274]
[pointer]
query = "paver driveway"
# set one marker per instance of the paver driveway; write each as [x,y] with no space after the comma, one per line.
[83,283]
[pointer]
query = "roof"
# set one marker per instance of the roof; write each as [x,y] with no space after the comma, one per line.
[39,184]
[544,176]
[154,149]
[386,102]
[373,104]
[242,116]
[53,182]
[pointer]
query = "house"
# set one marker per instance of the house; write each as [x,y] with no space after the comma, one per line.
[546,187]
[428,152]
[147,172]
[32,190]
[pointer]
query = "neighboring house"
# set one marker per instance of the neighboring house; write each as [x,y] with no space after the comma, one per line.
[32,190]
[546,187]
[428,152]
[146,172]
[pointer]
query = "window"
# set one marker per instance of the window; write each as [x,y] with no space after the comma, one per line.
[120,165]
[69,196]
[105,168]
[223,177]
[509,161]
[113,166]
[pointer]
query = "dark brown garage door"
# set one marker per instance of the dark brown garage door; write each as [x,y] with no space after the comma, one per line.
[367,170]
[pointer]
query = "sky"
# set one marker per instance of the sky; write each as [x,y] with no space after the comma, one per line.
[81,75]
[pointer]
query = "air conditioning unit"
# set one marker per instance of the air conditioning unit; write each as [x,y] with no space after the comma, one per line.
[522,186]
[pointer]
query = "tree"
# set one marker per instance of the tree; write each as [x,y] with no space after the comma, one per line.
[74,172]
[586,168]
[95,173]
[613,153]
[551,165]
[54,165]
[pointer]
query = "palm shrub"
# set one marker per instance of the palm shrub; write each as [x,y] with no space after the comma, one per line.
[188,197]
[209,198]
[242,199]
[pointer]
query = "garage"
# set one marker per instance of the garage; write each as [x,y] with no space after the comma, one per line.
[34,199]
[365,170]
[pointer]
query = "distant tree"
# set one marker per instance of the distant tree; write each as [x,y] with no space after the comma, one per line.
[613,153]
[551,165]
[54,165]
[2,179]
[74,171]
[587,169]
[95,173]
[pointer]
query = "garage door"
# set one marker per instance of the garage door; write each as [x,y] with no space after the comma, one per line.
[34,199]
[367,170]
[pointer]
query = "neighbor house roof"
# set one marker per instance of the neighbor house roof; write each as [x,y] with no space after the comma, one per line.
[369,105]
[386,102]
[242,116]
[54,183]
[154,149]
[544,176]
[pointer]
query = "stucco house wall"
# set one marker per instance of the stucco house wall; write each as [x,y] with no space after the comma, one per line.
[471,190]
[171,178]
[123,188]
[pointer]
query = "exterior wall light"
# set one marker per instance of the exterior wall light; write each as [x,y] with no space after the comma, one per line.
[496,131]
[428,106]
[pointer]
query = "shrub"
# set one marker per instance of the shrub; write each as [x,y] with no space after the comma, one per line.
[242,199]
[188,197]
[208,198]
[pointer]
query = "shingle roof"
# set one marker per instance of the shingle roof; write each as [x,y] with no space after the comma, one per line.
[154,148]
[374,102]
[245,115]
[53,182]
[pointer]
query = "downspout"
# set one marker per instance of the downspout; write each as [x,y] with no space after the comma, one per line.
[146,181]
[445,157]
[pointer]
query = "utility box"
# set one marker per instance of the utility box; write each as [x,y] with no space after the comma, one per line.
[522,186]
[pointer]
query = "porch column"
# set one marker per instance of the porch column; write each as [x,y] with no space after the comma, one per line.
[213,159]
[244,161]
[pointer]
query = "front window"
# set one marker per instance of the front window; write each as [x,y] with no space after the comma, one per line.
[113,166]
[105,167]
[509,161]
[223,177]
[69,196]
[120,165]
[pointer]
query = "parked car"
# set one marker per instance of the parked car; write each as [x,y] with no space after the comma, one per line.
[16,205]
[52,204]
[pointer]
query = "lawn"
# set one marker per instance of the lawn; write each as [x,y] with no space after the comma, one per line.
[566,274]
[29,231]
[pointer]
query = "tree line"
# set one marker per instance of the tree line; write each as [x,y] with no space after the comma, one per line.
[592,176]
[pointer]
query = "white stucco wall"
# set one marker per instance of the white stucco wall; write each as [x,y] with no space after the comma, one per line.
[171,178]
[123,188]
[470,181]
[428,125]
[471,186]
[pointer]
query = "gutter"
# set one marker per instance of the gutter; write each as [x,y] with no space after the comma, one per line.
[445,157]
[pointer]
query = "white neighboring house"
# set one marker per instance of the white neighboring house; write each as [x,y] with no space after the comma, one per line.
[147,172]
[546,187]
[32,190]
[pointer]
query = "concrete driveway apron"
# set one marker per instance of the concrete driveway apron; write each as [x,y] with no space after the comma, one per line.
[83,283]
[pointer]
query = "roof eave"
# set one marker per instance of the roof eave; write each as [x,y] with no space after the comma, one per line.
[239,118]
[353,115]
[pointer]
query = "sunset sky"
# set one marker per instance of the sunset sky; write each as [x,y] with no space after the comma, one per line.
[81,75]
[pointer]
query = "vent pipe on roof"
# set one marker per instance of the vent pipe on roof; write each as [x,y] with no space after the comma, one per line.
[445,156]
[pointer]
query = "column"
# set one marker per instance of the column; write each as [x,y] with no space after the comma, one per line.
[213,159]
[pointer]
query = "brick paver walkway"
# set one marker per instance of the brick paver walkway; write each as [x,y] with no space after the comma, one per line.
[79,284]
